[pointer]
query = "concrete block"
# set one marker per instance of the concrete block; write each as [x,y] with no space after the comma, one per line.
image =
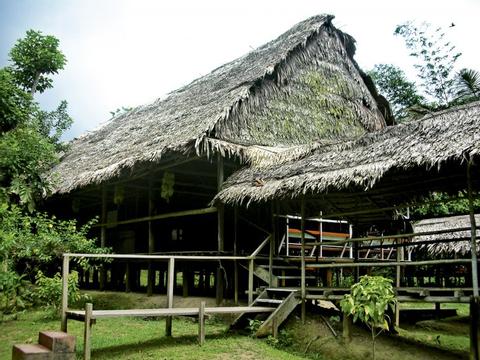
[57,341]
[31,352]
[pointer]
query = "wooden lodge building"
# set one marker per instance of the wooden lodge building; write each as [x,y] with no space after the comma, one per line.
[293,128]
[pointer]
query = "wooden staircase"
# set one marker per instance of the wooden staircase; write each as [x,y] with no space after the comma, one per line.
[284,301]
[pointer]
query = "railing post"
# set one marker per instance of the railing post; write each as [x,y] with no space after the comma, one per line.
[65,272]
[303,283]
[473,231]
[170,285]
[201,323]
[250,280]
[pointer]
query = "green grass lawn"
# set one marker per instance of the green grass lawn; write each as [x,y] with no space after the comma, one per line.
[134,338]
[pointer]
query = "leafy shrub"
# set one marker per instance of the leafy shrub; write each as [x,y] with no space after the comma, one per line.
[283,340]
[254,325]
[14,291]
[49,291]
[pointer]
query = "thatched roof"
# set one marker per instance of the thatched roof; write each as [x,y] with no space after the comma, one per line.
[301,87]
[445,223]
[451,135]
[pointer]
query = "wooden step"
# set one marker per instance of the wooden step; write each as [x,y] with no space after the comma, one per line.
[281,313]
[57,341]
[269,301]
[293,277]
[31,352]
[281,267]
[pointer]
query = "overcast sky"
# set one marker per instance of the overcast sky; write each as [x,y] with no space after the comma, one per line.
[130,52]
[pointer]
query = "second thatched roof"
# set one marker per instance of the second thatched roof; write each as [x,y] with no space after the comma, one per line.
[446,223]
[450,135]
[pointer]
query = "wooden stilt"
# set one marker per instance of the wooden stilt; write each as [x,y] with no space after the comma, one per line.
[235,264]
[151,242]
[474,323]
[473,242]
[250,281]
[303,283]
[220,231]
[103,236]
[272,247]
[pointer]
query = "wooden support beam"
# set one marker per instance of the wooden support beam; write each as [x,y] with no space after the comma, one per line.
[151,240]
[170,288]
[474,324]
[65,273]
[235,264]
[473,243]
[103,235]
[220,231]
[87,332]
[201,323]
[208,210]
[303,284]
[251,267]
[272,247]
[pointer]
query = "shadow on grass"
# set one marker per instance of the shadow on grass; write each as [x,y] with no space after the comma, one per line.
[112,352]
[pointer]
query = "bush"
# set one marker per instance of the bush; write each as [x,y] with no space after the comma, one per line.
[49,291]
[14,293]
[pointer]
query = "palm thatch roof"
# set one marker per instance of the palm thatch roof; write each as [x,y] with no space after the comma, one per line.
[449,136]
[301,87]
[446,223]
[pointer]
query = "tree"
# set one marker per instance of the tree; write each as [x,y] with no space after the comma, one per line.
[368,300]
[468,85]
[397,89]
[34,58]
[29,142]
[436,59]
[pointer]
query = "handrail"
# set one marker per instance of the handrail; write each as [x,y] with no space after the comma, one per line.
[157,257]
[261,246]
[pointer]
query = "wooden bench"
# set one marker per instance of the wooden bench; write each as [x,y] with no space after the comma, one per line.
[89,317]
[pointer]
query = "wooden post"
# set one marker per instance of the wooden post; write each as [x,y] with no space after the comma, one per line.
[201,323]
[220,230]
[250,281]
[65,272]
[151,242]
[473,243]
[303,284]
[397,284]
[185,281]
[272,248]
[347,328]
[235,264]
[474,319]
[128,285]
[103,236]
[170,286]
[87,333]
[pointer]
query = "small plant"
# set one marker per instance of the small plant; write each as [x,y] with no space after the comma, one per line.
[368,301]
[254,325]
[283,340]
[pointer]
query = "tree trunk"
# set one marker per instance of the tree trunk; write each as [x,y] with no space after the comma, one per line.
[35,84]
